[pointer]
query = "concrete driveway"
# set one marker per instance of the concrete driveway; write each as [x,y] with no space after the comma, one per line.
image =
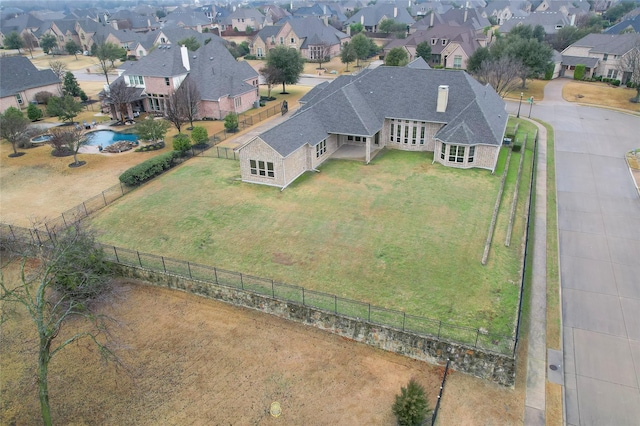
[599,234]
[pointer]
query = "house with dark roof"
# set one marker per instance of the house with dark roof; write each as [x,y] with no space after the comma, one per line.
[551,21]
[242,18]
[602,54]
[192,20]
[225,85]
[311,36]
[451,44]
[630,23]
[20,80]
[371,16]
[24,25]
[409,108]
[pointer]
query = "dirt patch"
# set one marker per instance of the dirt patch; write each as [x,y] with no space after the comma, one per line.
[283,259]
[193,360]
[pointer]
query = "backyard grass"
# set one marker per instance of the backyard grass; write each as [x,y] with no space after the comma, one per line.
[603,94]
[399,233]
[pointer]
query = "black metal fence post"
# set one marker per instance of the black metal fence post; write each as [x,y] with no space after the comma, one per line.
[273,293]
[163,265]
[64,220]
[139,261]
[241,283]
[189,267]
[116,253]
[302,296]
[404,318]
[85,209]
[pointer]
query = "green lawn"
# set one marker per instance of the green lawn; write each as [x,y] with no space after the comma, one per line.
[400,233]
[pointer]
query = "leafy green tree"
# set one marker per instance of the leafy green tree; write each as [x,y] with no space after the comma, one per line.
[65,108]
[288,62]
[152,130]
[190,43]
[161,13]
[199,135]
[614,13]
[356,28]
[423,50]
[578,74]
[13,41]
[72,48]
[348,54]
[181,144]
[48,42]
[539,33]
[392,26]
[566,36]
[108,53]
[475,60]
[34,113]
[534,56]
[76,269]
[13,128]
[397,57]
[231,122]
[410,407]
[70,85]
[361,46]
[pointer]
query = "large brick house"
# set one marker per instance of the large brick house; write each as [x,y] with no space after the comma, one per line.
[225,85]
[310,35]
[20,80]
[409,108]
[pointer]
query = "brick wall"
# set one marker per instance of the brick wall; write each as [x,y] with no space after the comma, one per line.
[259,150]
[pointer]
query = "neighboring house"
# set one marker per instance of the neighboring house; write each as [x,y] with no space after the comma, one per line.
[225,84]
[25,24]
[629,24]
[242,18]
[407,108]
[327,13]
[505,10]
[451,45]
[274,12]
[20,80]
[371,16]
[169,36]
[191,20]
[602,54]
[311,36]
[550,21]
[454,17]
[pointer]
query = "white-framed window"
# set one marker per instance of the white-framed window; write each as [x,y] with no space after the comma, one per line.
[457,61]
[156,102]
[259,52]
[135,80]
[293,40]
[349,138]
[612,74]
[261,168]
[19,98]
[414,134]
[605,57]
[281,40]
[358,139]
[163,40]
[398,132]
[422,130]
[237,101]
[167,82]
[321,148]
[391,133]
[406,134]
[456,153]
[444,41]
[434,41]
[472,153]
[443,151]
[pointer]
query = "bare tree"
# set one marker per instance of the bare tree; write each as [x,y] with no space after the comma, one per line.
[30,42]
[120,95]
[174,110]
[272,76]
[72,138]
[72,273]
[502,74]
[189,97]
[323,53]
[58,68]
[630,64]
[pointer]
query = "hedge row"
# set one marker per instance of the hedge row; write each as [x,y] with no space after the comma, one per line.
[148,169]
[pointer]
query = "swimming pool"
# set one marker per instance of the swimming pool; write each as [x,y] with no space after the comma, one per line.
[105,138]
[41,139]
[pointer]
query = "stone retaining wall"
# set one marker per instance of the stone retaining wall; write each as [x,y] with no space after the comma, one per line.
[483,364]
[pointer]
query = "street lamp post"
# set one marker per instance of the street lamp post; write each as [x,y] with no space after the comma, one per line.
[520,104]
[530,105]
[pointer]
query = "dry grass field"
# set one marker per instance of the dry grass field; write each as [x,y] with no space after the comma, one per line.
[602,94]
[533,88]
[189,360]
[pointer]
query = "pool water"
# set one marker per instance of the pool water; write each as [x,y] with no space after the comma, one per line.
[41,139]
[108,137]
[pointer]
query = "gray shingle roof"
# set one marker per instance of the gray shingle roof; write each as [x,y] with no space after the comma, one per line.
[612,44]
[358,105]
[632,22]
[374,14]
[550,21]
[418,63]
[575,60]
[164,61]
[17,73]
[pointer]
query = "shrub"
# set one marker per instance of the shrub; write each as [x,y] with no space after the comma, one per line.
[199,135]
[34,113]
[181,144]
[516,147]
[579,72]
[148,169]
[43,97]
[231,122]
[597,78]
[410,407]
[250,57]
[615,82]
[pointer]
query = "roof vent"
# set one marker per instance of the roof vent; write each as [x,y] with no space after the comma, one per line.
[211,58]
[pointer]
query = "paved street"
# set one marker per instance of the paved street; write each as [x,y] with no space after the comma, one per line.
[599,233]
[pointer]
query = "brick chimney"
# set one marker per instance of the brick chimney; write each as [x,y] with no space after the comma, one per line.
[395,12]
[443,98]
[184,52]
